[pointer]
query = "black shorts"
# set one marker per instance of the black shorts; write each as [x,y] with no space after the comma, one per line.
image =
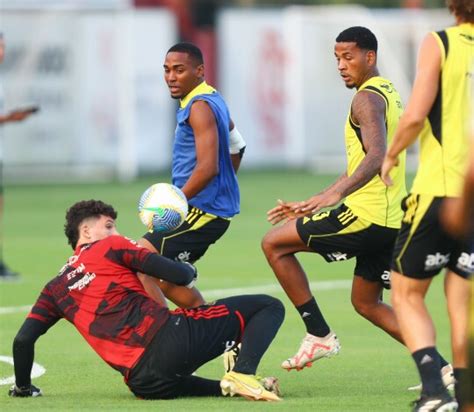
[192,239]
[423,248]
[189,339]
[338,235]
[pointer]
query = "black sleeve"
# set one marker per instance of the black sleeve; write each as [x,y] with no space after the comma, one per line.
[24,349]
[163,268]
[139,259]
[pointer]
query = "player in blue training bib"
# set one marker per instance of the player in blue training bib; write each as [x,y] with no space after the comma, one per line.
[206,156]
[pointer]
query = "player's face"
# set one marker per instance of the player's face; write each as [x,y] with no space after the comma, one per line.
[353,63]
[99,228]
[182,74]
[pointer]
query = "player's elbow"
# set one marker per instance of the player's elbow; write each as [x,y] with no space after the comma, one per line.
[211,171]
[414,120]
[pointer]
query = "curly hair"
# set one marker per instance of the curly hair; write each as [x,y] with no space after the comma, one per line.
[84,210]
[462,8]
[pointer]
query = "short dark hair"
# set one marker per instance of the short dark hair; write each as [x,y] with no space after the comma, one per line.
[189,48]
[84,210]
[359,35]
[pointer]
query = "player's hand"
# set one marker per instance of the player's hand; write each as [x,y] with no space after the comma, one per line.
[389,162]
[283,211]
[25,392]
[18,115]
[191,284]
[317,202]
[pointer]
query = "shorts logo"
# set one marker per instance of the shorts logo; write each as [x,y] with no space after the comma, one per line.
[385,276]
[183,256]
[229,344]
[436,261]
[337,256]
[466,262]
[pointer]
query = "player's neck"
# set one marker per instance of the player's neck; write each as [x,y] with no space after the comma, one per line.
[372,73]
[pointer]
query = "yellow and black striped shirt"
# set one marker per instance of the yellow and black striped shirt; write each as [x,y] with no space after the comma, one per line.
[376,202]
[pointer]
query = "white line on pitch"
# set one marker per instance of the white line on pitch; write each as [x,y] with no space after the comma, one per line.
[220,293]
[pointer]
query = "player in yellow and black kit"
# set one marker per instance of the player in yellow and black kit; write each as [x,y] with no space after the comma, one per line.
[365,226]
[438,108]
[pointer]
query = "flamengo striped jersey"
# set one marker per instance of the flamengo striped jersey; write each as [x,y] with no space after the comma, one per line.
[98,291]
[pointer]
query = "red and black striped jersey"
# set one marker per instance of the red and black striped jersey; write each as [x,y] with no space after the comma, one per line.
[99,292]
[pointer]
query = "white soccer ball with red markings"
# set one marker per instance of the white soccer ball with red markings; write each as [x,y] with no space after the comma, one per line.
[162,207]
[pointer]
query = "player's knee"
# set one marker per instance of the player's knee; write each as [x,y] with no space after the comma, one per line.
[278,309]
[363,308]
[270,245]
[397,298]
[21,340]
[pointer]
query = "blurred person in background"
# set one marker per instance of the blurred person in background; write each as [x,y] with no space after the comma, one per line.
[438,111]
[14,116]
[207,152]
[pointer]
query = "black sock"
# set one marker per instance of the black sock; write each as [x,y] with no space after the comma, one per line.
[443,362]
[461,386]
[428,364]
[313,318]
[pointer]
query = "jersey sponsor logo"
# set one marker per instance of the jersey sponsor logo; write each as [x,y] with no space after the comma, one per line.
[466,262]
[337,256]
[73,273]
[388,87]
[436,261]
[83,282]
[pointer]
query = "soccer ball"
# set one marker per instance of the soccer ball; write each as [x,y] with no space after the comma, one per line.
[162,207]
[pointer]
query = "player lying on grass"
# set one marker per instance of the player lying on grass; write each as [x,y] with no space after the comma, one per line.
[155,349]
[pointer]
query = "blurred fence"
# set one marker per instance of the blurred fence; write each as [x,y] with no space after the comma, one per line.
[106,113]
[97,77]
[280,78]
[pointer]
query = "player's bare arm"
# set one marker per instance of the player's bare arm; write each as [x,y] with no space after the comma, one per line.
[17,115]
[368,111]
[421,100]
[203,122]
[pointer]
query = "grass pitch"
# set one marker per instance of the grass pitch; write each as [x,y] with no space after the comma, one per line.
[371,373]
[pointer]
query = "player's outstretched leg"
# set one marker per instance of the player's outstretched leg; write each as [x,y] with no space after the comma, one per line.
[249,386]
[261,316]
[311,349]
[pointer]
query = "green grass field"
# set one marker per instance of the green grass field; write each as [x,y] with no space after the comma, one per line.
[371,373]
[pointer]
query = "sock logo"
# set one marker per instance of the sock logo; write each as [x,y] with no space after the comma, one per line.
[426,359]
[305,314]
